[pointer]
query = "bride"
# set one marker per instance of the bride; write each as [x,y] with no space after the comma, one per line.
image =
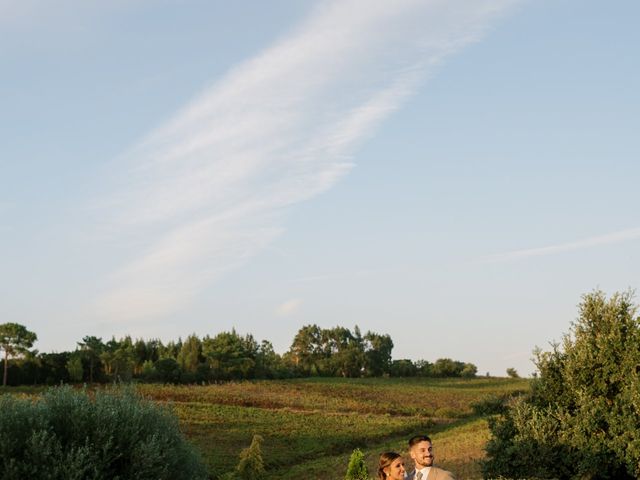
[391,466]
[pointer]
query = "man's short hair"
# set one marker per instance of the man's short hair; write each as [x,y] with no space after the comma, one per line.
[417,439]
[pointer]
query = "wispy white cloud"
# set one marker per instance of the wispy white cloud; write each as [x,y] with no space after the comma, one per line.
[289,307]
[601,240]
[210,186]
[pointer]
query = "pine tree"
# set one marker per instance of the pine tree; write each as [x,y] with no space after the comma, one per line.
[251,465]
[74,367]
[15,339]
[357,469]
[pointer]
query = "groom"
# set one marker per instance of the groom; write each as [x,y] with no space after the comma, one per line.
[421,451]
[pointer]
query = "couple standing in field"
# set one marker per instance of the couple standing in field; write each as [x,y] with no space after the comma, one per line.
[391,465]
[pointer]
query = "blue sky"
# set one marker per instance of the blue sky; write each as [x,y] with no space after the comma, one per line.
[456,174]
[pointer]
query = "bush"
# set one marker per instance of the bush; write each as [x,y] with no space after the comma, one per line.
[251,465]
[512,373]
[357,469]
[403,368]
[582,418]
[469,371]
[491,405]
[66,435]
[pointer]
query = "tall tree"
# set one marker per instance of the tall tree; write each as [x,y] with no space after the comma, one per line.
[124,360]
[306,349]
[15,339]
[582,417]
[74,367]
[377,353]
[346,349]
[231,356]
[190,355]
[91,347]
[119,358]
[268,362]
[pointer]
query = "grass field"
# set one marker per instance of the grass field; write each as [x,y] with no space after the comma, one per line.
[310,426]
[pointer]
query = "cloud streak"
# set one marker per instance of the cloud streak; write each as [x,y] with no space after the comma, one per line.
[289,307]
[591,242]
[211,185]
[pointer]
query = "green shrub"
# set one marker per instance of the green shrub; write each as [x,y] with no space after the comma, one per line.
[491,405]
[66,435]
[357,469]
[251,465]
[496,404]
[582,418]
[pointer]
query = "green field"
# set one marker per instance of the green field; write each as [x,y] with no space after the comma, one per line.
[312,425]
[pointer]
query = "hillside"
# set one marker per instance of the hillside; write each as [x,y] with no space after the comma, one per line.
[312,425]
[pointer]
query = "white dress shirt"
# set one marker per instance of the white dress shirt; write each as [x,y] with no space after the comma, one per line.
[425,472]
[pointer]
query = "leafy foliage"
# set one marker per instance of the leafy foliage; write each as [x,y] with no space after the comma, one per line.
[492,405]
[225,357]
[339,352]
[582,419]
[67,435]
[15,339]
[91,347]
[357,469]
[74,367]
[251,465]
[512,373]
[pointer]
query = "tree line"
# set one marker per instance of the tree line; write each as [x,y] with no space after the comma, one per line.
[314,351]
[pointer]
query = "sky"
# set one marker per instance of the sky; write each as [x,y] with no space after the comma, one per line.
[454,173]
